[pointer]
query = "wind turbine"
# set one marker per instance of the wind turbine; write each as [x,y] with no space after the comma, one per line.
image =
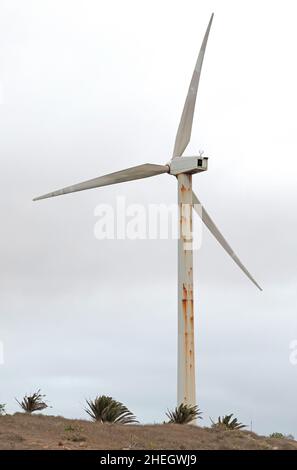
[182,168]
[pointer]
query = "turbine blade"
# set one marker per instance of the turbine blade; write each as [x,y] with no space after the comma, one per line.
[185,126]
[130,174]
[219,237]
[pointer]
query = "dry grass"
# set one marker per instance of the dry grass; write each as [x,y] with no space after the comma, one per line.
[22,431]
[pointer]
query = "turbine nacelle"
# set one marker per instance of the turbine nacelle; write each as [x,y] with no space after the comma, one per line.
[187,165]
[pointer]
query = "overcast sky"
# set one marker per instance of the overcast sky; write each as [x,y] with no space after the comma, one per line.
[90,87]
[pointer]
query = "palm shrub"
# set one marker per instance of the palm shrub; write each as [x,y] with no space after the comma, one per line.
[2,409]
[34,402]
[227,422]
[107,410]
[184,414]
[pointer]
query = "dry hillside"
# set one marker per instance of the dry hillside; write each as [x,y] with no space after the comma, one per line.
[22,431]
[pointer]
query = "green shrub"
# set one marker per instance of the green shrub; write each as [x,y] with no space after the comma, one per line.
[279,435]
